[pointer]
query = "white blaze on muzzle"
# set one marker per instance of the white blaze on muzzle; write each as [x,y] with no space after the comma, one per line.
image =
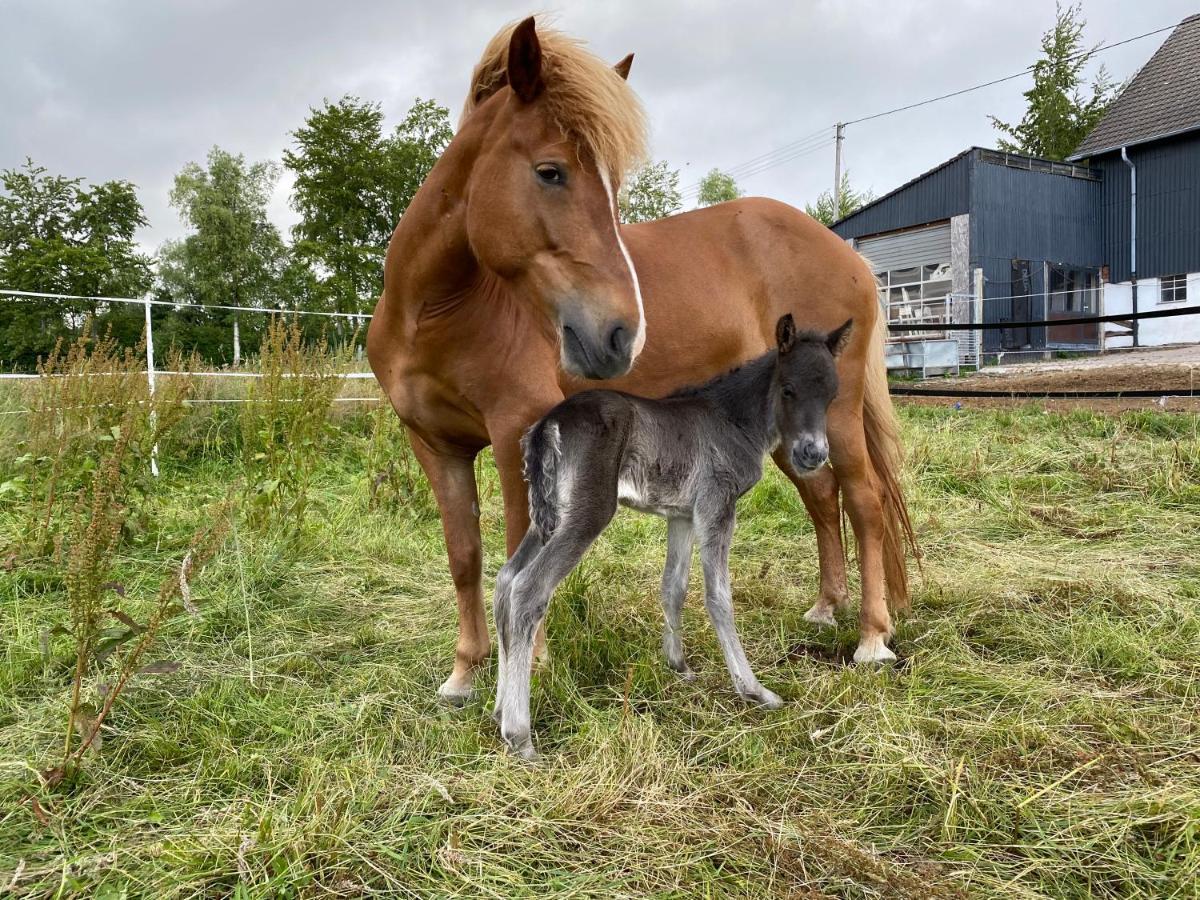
[639,339]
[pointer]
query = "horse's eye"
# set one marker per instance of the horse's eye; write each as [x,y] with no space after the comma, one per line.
[549,173]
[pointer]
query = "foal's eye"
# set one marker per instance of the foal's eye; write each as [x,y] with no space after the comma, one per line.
[788,393]
[550,173]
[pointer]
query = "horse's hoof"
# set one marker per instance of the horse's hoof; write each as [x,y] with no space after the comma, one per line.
[454,692]
[874,650]
[822,615]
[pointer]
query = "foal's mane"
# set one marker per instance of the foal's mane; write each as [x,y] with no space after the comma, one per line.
[586,98]
[746,369]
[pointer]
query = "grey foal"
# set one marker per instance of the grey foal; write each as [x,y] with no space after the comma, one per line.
[687,458]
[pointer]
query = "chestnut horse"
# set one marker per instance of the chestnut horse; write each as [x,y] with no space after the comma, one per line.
[510,283]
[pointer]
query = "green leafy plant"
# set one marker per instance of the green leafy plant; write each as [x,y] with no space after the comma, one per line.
[107,657]
[284,422]
[90,407]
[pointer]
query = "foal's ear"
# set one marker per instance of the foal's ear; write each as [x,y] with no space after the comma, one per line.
[525,61]
[785,333]
[839,337]
[622,68]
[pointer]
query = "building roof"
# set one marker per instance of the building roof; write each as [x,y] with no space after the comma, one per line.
[994,157]
[1163,98]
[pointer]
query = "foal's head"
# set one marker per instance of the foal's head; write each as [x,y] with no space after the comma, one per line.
[805,384]
[562,127]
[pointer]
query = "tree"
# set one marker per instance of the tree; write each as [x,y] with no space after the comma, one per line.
[849,201]
[1059,113]
[717,187]
[652,192]
[353,183]
[58,236]
[234,255]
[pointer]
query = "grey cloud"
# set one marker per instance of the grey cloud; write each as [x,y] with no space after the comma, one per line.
[108,89]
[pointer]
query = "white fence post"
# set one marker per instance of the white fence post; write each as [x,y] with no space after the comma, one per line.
[150,379]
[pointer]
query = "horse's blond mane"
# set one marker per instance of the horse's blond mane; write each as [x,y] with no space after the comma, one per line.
[588,100]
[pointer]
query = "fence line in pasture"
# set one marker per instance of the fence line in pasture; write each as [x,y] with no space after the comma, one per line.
[194,401]
[19,376]
[148,302]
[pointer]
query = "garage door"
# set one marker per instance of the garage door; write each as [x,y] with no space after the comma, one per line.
[920,247]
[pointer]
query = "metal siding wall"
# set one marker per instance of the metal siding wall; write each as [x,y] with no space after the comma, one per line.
[933,198]
[1035,216]
[909,248]
[1018,214]
[1168,211]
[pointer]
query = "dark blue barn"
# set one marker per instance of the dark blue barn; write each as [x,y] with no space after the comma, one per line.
[1043,240]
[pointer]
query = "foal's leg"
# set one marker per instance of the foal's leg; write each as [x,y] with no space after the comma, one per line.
[530,547]
[819,491]
[715,538]
[674,591]
[531,592]
[510,465]
[453,480]
[848,453]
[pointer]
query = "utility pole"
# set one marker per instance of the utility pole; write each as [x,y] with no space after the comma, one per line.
[839,135]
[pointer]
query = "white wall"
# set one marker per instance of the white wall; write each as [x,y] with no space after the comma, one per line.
[1118,298]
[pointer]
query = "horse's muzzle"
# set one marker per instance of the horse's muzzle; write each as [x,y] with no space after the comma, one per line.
[594,353]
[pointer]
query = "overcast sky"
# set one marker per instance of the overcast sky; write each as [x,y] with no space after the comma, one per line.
[106,89]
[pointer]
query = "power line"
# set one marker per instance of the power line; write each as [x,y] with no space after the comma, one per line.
[1026,71]
[763,162]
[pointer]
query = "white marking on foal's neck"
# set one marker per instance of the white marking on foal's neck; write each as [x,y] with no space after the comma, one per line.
[639,339]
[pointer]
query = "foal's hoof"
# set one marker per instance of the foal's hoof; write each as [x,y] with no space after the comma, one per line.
[522,749]
[682,670]
[454,691]
[764,698]
[822,615]
[874,649]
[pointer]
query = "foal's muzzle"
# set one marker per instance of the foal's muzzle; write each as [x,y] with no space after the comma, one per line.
[809,454]
[594,352]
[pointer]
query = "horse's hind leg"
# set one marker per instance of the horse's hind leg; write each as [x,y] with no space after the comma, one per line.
[819,491]
[715,537]
[528,550]
[674,591]
[531,592]
[855,474]
[453,480]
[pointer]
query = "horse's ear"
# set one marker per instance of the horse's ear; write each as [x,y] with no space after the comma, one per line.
[525,61]
[839,337]
[785,333]
[622,68]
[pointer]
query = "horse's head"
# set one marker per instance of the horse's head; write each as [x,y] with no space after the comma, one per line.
[542,212]
[805,384]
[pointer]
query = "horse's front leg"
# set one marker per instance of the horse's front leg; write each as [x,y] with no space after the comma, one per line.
[453,480]
[819,491]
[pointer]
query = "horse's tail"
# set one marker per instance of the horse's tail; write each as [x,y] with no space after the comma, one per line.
[542,449]
[883,448]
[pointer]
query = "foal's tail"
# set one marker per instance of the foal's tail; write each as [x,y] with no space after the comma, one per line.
[542,452]
[883,447]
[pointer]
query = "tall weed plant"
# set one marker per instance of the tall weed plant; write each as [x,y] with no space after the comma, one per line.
[285,422]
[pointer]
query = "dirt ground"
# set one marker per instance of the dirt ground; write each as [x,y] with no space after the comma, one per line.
[1166,368]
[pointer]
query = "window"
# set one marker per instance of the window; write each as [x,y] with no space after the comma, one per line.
[1173,289]
[916,294]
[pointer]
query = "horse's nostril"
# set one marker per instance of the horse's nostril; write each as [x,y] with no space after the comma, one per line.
[618,339]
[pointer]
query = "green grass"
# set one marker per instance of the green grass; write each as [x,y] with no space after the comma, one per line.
[1041,737]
